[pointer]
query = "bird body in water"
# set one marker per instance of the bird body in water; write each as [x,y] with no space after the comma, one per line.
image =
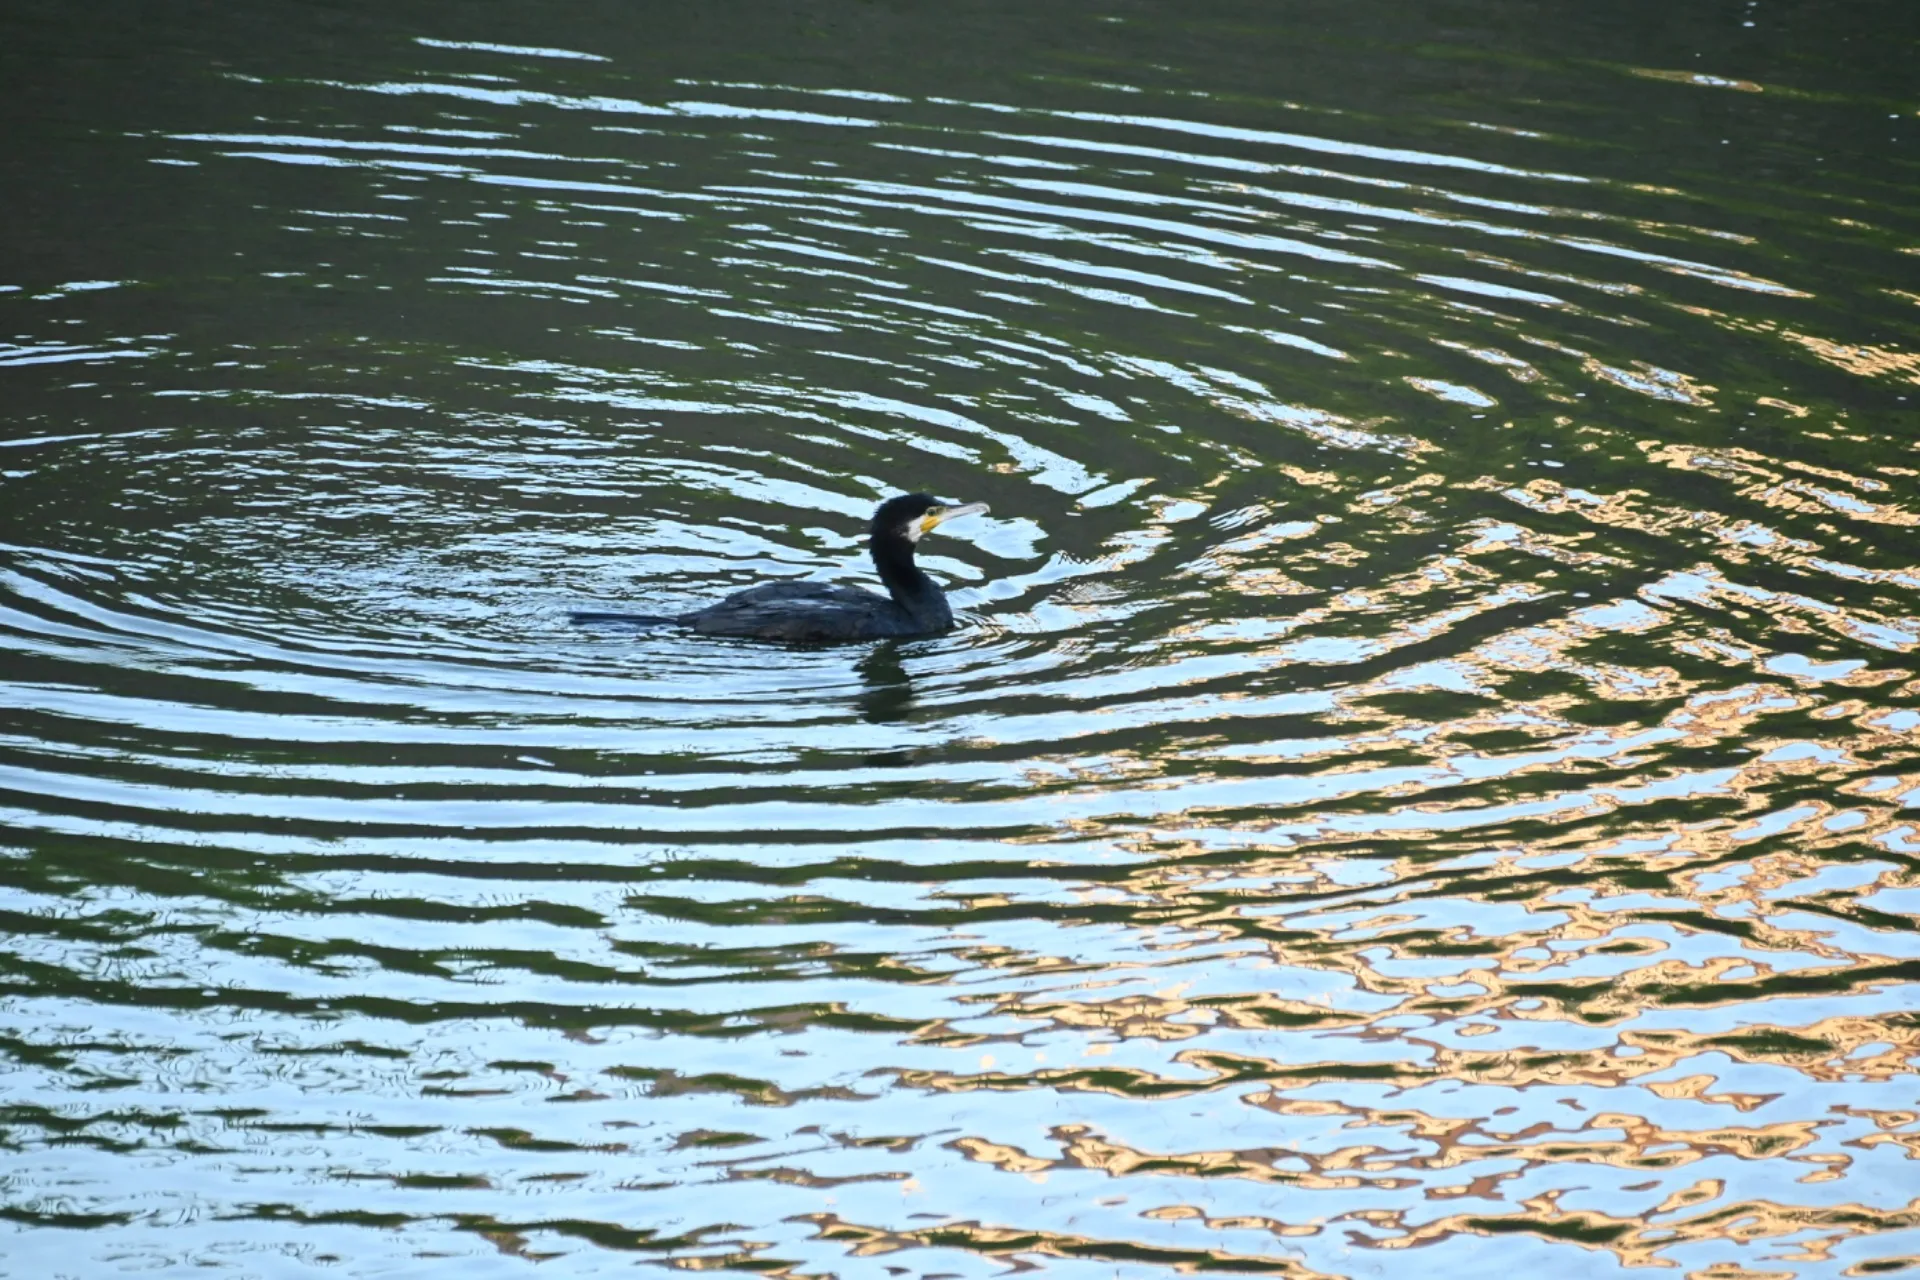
[820,613]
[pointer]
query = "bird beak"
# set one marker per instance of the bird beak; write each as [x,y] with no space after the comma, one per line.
[940,515]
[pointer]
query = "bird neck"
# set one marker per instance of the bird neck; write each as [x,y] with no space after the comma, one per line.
[908,583]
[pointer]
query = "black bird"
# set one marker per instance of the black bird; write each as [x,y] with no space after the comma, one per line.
[817,613]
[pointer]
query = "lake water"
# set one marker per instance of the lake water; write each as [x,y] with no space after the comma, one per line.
[1424,782]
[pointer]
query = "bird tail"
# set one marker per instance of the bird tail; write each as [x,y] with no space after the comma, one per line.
[589,618]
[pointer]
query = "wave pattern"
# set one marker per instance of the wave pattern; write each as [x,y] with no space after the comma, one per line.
[1427,763]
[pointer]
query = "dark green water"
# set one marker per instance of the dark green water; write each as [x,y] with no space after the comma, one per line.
[1423,784]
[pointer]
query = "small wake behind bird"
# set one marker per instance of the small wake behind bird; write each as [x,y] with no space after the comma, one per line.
[820,613]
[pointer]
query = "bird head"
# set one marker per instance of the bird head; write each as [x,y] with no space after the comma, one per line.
[914,515]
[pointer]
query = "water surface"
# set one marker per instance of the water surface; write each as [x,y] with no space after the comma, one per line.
[1423,780]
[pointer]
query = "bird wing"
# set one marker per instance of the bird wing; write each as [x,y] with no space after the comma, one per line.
[793,611]
[798,594]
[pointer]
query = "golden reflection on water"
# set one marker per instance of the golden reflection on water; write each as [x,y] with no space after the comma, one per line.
[1626,901]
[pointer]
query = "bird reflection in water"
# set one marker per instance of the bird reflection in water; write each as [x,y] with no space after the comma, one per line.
[888,696]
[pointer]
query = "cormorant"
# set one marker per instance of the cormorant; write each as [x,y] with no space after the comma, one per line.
[818,613]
